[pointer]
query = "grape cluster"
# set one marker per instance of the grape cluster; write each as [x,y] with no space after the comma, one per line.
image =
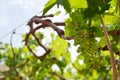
[77,27]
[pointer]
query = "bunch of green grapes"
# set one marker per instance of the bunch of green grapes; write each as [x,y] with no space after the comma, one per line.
[84,35]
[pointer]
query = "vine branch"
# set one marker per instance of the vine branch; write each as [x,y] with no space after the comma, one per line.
[11,45]
[43,24]
[12,69]
[58,75]
[113,63]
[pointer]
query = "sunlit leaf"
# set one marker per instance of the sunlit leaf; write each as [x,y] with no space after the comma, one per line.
[78,3]
[57,13]
[48,6]
[59,46]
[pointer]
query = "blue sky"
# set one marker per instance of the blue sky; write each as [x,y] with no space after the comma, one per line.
[15,12]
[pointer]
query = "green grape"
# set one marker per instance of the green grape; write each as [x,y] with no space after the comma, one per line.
[84,35]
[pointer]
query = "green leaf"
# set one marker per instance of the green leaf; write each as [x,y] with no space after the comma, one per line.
[90,12]
[48,6]
[66,5]
[57,13]
[59,47]
[110,19]
[1,43]
[78,4]
[96,7]
[61,64]
[39,35]
[1,48]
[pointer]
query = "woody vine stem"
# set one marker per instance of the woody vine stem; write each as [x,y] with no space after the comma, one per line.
[113,63]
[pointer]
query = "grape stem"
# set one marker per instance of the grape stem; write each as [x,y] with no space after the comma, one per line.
[113,63]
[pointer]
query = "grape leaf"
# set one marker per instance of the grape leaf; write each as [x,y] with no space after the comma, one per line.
[48,6]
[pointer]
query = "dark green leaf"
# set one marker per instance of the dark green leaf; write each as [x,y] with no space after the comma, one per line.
[66,5]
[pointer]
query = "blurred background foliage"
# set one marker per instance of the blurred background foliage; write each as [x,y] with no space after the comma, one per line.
[93,59]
